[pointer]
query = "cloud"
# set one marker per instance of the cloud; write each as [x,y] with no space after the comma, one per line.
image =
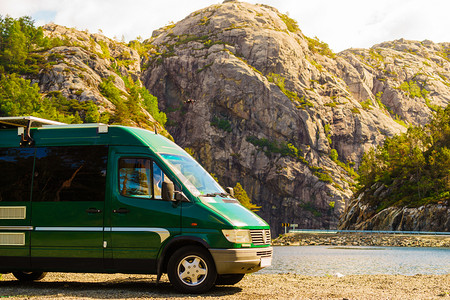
[119,18]
[341,24]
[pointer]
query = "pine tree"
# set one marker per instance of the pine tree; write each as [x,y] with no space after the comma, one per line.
[243,198]
[15,51]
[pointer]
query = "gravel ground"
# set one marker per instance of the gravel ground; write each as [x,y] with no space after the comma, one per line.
[253,286]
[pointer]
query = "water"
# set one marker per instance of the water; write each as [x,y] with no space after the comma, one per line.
[346,260]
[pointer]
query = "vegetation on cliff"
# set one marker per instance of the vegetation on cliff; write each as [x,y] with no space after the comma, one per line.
[410,169]
[18,97]
[19,38]
[243,198]
[26,53]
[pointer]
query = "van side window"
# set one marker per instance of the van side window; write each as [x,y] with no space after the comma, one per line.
[135,177]
[158,178]
[76,173]
[16,167]
[141,177]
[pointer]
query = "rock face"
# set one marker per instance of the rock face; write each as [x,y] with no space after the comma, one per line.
[241,84]
[362,216]
[261,104]
[386,68]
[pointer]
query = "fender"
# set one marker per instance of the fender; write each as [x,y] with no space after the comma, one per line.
[185,239]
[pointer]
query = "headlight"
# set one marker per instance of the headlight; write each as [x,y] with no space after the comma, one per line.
[239,236]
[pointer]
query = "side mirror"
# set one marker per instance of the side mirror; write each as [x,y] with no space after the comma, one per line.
[180,197]
[230,191]
[167,191]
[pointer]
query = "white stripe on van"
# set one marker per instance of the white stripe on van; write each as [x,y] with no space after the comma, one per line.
[18,228]
[68,229]
[163,233]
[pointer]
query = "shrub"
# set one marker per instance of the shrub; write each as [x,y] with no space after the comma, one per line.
[279,81]
[223,124]
[105,50]
[317,46]
[325,177]
[273,147]
[334,155]
[413,89]
[366,104]
[291,24]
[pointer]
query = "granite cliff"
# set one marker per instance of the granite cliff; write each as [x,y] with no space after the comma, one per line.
[262,104]
[259,103]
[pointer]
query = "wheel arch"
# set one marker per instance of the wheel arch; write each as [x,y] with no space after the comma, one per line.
[173,245]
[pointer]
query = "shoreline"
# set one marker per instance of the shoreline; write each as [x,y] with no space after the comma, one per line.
[361,239]
[253,286]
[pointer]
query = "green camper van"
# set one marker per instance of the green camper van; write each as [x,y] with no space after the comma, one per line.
[115,199]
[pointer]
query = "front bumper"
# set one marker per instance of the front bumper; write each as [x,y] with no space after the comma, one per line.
[241,261]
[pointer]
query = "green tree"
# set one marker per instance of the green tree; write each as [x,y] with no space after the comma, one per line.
[243,198]
[414,166]
[151,105]
[34,36]
[92,114]
[15,47]
[113,94]
[18,96]
[18,38]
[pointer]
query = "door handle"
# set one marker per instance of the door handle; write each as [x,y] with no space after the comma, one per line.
[93,211]
[121,211]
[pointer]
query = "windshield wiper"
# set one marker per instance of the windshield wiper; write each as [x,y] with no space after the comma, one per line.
[215,194]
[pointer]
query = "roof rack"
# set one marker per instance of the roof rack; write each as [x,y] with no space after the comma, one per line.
[24,125]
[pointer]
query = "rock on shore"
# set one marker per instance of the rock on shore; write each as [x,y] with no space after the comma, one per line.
[362,239]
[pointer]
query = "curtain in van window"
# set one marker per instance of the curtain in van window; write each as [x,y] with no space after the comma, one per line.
[16,168]
[76,173]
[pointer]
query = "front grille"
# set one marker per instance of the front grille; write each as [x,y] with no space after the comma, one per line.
[260,237]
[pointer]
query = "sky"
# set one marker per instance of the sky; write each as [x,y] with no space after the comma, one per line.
[342,24]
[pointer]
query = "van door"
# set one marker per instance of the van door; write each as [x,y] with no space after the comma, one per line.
[141,221]
[68,201]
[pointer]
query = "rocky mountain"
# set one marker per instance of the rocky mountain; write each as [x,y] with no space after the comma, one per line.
[262,104]
[256,101]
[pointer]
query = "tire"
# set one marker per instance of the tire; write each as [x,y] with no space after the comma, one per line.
[229,279]
[191,269]
[29,276]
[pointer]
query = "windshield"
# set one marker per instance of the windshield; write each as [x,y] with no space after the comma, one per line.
[193,176]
